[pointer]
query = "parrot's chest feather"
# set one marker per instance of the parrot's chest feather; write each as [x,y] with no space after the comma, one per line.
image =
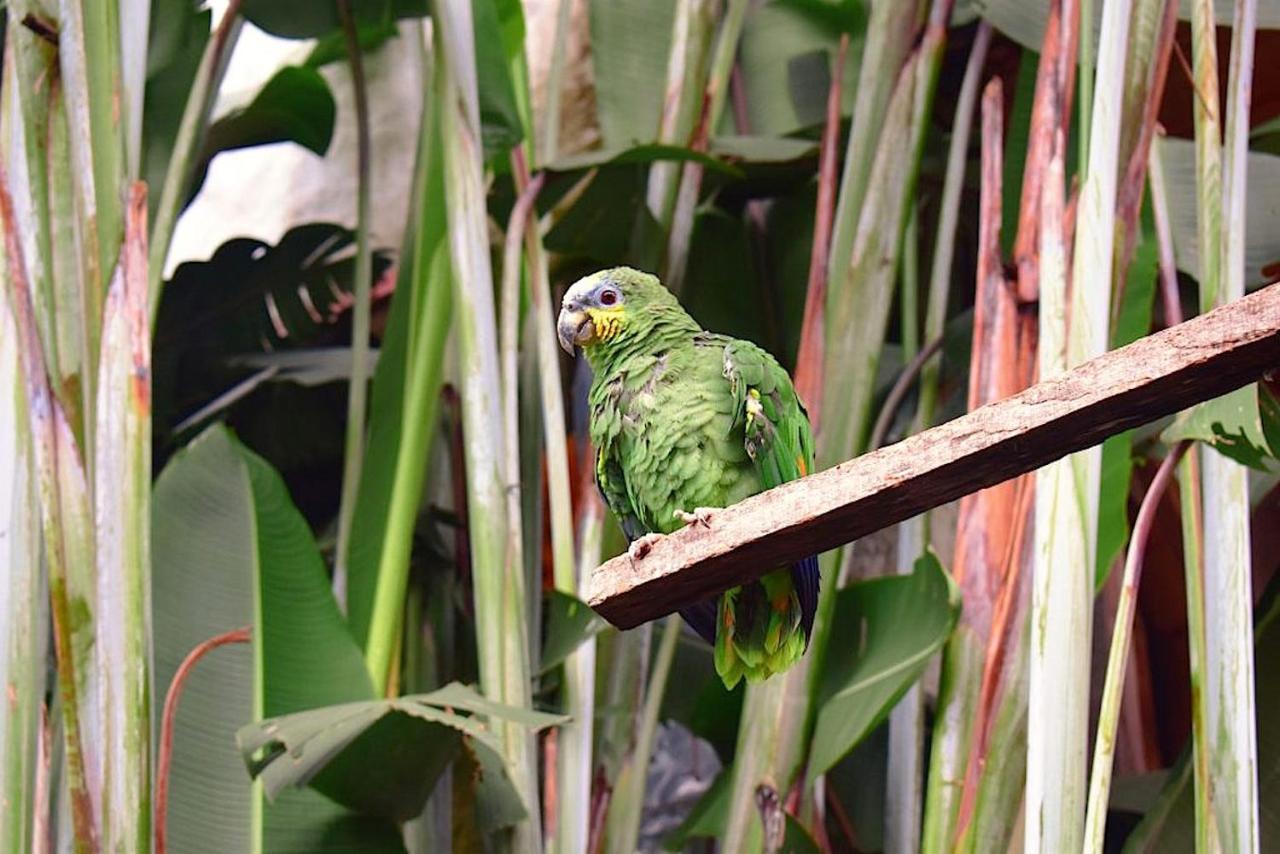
[669,423]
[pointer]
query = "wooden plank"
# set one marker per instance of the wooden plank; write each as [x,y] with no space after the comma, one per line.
[1156,376]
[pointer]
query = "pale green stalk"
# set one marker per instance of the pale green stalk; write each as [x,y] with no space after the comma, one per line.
[186,145]
[508,353]
[949,212]
[574,758]
[1065,534]
[39,117]
[122,514]
[1228,602]
[67,529]
[502,635]
[904,792]
[891,32]
[135,19]
[726,51]
[623,828]
[23,618]
[692,25]
[1118,659]
[358,386]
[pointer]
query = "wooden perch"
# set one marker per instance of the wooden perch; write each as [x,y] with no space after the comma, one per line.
[1156,376]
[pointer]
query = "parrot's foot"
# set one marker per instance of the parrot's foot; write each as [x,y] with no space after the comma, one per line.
[699,516]
[639,548]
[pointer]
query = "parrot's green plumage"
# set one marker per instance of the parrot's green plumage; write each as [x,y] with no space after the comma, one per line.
[684,419]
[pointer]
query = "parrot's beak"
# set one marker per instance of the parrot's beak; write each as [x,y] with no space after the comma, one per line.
[573,328]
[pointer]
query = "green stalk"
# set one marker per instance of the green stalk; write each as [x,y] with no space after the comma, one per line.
[949,213]
[186,145]
[1085,105]
[1067,490]
[89,50]
[358,389]
[502,635]
[623,829]
[122,514]
[508,351]
[424,283]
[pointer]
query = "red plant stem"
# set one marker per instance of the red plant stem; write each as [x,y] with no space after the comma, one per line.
[601,793]
[1050,112]
[241,635]
[1129,198]
[812,350]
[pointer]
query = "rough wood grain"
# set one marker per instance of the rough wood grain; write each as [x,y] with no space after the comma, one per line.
[1153,377]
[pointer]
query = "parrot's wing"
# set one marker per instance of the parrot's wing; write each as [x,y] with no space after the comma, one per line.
[611,476]
[777,437]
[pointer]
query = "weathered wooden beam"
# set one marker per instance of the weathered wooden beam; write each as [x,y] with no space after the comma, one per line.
[1156,376]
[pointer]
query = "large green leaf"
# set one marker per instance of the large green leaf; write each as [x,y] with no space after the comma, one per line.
[569,623]
[295,105]
[787,51]
[630,43]
[380,757]
[229,549]
[500,124]
[1232,424]
[308,19]
[883,634]
[249,297]
[611,223]
[1262,206]
[179,32]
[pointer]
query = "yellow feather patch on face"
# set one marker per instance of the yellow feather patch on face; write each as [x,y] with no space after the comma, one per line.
[608,322]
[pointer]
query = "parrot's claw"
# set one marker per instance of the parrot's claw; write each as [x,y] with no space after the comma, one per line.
[699,516]
[639,548]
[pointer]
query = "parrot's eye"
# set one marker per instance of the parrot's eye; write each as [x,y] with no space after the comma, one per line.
[608,297]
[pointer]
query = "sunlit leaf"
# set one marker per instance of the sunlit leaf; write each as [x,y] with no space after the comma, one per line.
[1231,424]
[883,634]
[227,546]
[380,757]
[630,43]
[569,622]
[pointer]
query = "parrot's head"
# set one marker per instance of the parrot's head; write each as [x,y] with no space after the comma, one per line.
[612,306]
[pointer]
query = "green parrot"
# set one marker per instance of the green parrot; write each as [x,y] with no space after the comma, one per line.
[684,421]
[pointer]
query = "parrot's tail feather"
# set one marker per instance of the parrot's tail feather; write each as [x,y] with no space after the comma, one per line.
[701,617]
[762,628]
[804,575]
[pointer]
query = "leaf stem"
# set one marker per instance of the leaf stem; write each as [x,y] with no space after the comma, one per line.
[357,396]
